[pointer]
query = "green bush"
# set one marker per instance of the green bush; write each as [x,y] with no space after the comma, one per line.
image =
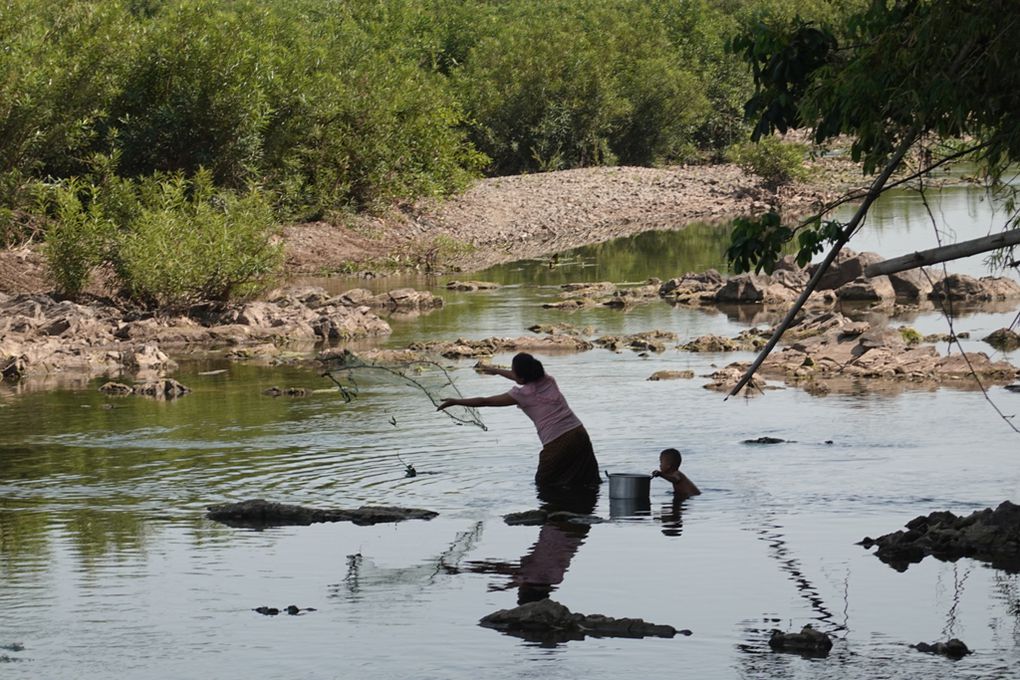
[196,244]
[775,161]
[78,238]
[170,241]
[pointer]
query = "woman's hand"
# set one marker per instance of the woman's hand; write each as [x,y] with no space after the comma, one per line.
[448,403]
[487,369]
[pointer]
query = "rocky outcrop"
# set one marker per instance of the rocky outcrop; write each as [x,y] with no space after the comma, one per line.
[647,341]
[550,621]
[987,535]
[808,641]
[969,289]
[605,294]
[260,513]
[561,329]
[40,335]
[831,347]
[467,349]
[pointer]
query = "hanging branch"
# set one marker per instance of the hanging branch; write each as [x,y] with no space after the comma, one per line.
[874,191]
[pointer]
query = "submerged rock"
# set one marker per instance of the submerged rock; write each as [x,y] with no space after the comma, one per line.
[164,388]
[808,641]
[764,440]
[1004,339]
[465,349]
[471,286]
[671,375]
[987,535]
[954,649]
[259,513]
[549,621]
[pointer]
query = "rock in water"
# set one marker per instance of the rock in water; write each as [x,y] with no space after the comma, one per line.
[953,648]
[807,641]
[549,621]
[988,535]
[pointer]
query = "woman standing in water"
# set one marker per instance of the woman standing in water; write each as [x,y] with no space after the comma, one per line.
[567,458]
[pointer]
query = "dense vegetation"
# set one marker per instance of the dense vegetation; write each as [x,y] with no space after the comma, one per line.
[925,79]
[128,122]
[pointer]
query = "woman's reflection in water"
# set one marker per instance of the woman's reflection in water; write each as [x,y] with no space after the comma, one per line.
[539,572]
[545,565]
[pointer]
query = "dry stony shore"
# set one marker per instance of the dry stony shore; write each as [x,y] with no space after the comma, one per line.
[508,218]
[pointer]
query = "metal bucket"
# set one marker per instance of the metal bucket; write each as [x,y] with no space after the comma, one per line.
[627,485]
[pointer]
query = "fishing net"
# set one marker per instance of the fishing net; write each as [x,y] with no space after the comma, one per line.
[348,372]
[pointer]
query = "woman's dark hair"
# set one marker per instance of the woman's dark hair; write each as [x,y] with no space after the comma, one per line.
[527,368]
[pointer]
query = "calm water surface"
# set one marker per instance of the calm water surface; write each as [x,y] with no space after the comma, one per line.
[108,568]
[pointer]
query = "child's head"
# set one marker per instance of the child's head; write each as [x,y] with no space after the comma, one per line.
[669,460]
[527,368]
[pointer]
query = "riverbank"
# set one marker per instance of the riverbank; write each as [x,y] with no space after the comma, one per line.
[502,219]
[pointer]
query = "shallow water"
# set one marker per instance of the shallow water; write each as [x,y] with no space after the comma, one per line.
[108,567]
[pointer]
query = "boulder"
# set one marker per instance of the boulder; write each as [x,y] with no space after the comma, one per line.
[874,289]
[711,343]
[743,289]
[967,288]
[847,267]
[912,284]
[147,358]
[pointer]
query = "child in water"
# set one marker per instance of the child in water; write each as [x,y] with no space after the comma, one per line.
[669,469]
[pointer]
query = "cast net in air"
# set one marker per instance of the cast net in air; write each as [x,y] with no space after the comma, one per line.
[348,372]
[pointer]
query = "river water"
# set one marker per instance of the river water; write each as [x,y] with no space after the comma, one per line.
[108,567]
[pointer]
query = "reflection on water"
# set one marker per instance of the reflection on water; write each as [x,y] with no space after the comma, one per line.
[108,566]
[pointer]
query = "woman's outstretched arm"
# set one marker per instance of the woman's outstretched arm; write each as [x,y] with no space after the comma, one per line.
[495,400]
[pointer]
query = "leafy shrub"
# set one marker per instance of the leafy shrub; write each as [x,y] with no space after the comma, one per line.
[78,238]
[773,160]
[193,243]
[170,241]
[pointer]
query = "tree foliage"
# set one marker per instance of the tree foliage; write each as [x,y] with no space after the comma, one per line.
[889,76]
